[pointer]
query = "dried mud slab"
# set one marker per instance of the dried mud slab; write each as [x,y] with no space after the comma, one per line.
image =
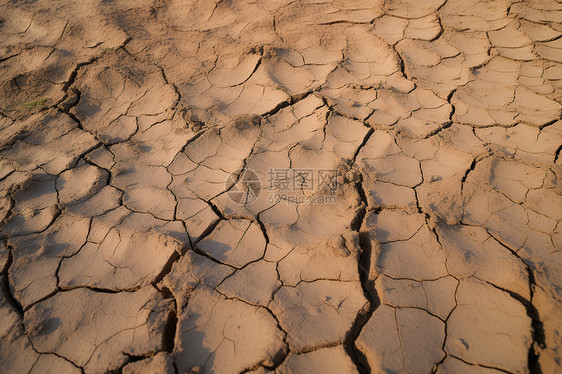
[281,186]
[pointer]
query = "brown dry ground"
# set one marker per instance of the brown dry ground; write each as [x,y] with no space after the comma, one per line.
[121,250]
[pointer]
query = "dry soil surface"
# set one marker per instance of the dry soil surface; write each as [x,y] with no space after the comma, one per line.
[133,238]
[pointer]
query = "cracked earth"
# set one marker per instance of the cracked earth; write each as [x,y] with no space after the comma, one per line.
[121,251]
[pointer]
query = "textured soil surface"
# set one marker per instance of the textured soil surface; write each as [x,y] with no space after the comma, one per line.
[138,233]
